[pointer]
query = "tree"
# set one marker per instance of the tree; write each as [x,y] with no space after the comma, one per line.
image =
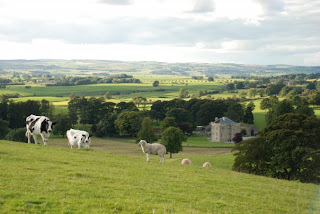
[235,112]
[63,124]
[108,95]
[243,95]
[146,132]
[311,86]
[230,87]
[240,85]
[158,110]
[277,109]
[123,106]
[106,127]
[172,139]
[4,128]
[183,93]
[314,98]
[274,89]
[248,115]
[288,149]
[252,92]
[128,123]
[237,138]
[46,108]
[210,79]
[4,105]
[267,103]
[139,100]
[167,122]
[155,83]
[180,114]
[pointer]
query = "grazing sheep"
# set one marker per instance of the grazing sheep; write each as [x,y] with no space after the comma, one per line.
[186,161]
[206,164]
[155,149]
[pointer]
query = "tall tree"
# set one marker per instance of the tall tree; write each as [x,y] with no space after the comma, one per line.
[172,139]
[128,123]
[288,148]
[106,127]
[240,85]
[155,83]
[183,93]
[108,95]
[4,128]
[167,122]
[146,132]
[63,124]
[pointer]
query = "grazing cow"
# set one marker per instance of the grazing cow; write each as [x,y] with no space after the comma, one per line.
[78,138]
[38,125]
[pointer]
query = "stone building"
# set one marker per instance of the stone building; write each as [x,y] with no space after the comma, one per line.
[251,130]
[223,129]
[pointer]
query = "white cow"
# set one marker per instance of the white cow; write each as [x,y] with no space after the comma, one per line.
[38,125]
[78,138]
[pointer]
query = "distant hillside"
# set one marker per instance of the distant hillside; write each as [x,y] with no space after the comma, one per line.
[106,67]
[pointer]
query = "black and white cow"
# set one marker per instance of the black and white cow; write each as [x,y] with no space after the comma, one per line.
[38,125]
[78,138]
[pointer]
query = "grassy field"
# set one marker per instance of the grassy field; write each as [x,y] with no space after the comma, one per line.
[113,177]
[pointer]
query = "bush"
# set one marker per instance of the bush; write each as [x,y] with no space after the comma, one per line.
[18,135]
[4,128]
[288,149]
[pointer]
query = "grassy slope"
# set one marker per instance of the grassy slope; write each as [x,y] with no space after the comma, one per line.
[37,179]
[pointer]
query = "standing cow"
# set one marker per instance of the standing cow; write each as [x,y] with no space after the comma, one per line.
[78,138]
[38,125]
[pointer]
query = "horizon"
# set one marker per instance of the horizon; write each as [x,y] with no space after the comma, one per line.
[160,62]
[252,32]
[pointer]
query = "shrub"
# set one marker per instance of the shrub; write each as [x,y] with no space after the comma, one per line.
[18,135]
[288,149]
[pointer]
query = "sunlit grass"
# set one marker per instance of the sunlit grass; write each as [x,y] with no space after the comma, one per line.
[38,179]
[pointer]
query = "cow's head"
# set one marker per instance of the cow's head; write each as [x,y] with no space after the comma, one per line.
[86,138]
[46,125]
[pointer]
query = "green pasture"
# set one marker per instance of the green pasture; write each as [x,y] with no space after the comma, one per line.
[203,141]
[113,177]
[123,91]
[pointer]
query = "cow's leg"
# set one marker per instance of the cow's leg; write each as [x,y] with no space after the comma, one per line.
[44,139]
[148,159]
[28,136]
[35,139]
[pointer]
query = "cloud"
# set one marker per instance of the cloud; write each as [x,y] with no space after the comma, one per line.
[117,2]
[203,6]
[286,33]
[272,6]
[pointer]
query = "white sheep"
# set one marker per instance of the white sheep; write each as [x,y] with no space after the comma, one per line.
[186,161]
[206,164]
[155,149]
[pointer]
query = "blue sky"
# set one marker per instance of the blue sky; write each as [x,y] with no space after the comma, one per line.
[215,31]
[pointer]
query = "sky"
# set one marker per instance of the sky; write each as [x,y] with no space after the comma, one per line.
[209,31]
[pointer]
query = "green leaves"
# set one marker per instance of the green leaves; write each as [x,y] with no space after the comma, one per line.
[288,148]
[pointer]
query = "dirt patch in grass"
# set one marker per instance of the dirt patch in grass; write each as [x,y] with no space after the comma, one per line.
[126,147]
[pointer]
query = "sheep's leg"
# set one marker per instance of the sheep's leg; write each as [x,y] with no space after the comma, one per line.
[148,159]
[162,159]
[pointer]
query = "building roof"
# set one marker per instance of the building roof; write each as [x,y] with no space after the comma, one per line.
[224,120]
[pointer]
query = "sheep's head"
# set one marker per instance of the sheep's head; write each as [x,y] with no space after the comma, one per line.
[142,142]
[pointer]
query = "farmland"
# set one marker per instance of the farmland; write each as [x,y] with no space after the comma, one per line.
[113,177]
